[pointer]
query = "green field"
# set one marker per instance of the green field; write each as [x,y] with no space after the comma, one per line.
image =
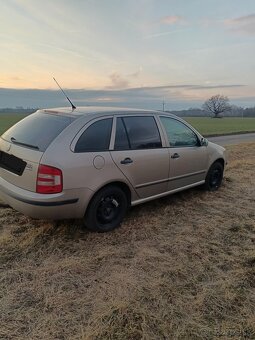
[206,126]
[7,120]
[211,126]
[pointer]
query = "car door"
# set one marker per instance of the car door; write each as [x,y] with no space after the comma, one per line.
[90,164]
[188,159]
[139,154]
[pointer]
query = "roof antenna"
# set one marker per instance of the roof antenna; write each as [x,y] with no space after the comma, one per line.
[73,107]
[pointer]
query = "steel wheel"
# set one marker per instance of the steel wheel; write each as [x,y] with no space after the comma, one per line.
[106,209]
[214,177]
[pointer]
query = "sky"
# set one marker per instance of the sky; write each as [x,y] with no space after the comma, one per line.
[134,53]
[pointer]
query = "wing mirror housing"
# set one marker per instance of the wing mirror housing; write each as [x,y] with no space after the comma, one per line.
[203,141]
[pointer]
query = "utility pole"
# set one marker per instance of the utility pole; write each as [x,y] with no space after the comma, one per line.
[163,105]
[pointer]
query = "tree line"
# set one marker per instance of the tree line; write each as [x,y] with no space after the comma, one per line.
[18,109]
[217,106]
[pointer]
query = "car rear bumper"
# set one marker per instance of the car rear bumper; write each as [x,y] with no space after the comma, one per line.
[67,204]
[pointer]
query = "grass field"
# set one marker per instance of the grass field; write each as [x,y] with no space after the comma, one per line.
[206,126]
[210,126]
[7,120]
[182,267]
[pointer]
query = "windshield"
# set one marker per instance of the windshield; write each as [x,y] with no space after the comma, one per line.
[38,130]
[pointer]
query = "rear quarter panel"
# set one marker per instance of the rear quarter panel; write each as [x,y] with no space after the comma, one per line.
[88,170]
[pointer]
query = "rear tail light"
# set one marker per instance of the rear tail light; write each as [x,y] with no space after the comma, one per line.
[49,180]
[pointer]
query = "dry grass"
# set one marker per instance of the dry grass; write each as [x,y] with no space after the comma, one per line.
[182,267]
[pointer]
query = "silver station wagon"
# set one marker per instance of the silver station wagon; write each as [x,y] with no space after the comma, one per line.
[95,162]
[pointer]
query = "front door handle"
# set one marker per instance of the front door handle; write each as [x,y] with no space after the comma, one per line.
[175,155]
[126,161]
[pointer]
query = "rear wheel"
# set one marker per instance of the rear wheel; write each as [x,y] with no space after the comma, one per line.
[106,209]
[214,177]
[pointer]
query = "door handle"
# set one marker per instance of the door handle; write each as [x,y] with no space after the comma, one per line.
[126,161]
[175,155]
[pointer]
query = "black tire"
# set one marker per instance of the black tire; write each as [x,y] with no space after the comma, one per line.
[106,209]
[214,177]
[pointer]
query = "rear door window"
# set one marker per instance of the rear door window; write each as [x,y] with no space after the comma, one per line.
[121,138]
[37,131]
[96,137]
[137,133]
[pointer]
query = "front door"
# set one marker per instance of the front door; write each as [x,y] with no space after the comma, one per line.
[138,153]
[188,159]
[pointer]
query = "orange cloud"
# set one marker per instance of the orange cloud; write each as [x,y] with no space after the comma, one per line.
[171,19]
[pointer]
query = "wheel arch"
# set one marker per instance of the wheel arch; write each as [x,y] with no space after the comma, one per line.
[217,160]
[221,161]
[124,187]
[119,184]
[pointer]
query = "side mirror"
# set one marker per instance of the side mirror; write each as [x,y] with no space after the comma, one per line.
[203,141]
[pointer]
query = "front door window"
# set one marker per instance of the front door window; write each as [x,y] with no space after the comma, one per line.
[178,134]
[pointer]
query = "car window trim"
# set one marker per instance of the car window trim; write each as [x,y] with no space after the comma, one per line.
[127,135]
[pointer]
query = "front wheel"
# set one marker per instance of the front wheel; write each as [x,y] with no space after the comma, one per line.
[214,177]
[106,209]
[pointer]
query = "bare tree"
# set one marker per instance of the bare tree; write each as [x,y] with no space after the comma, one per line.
[217,104]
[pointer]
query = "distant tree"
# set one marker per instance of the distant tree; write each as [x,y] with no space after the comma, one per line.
[249,112]
[236,111]
[217,104]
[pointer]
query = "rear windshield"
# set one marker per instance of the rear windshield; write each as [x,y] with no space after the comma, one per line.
[37,131]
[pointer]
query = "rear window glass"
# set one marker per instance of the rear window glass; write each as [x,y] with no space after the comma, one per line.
[37,130]
[96,137]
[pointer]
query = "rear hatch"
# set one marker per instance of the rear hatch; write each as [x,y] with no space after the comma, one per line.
[22,146]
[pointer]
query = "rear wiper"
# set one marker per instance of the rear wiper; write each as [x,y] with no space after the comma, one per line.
[24,144]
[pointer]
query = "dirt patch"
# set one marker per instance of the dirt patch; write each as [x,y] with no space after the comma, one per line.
[182,267]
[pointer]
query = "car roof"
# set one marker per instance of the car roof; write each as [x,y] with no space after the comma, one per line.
[99,110]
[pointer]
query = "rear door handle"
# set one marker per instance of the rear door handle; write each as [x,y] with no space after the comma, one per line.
[126,161]
[175,155]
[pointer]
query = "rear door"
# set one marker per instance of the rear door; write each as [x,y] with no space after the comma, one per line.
[188,159]
[139,154]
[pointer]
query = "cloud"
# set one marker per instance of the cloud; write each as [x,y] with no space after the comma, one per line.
[184,86]
[213,87]
[137,73]
[171,20]
[243,25]
[177,96]
[161,34]
[118,81]
[107,99]
[16,78]
[47,13]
